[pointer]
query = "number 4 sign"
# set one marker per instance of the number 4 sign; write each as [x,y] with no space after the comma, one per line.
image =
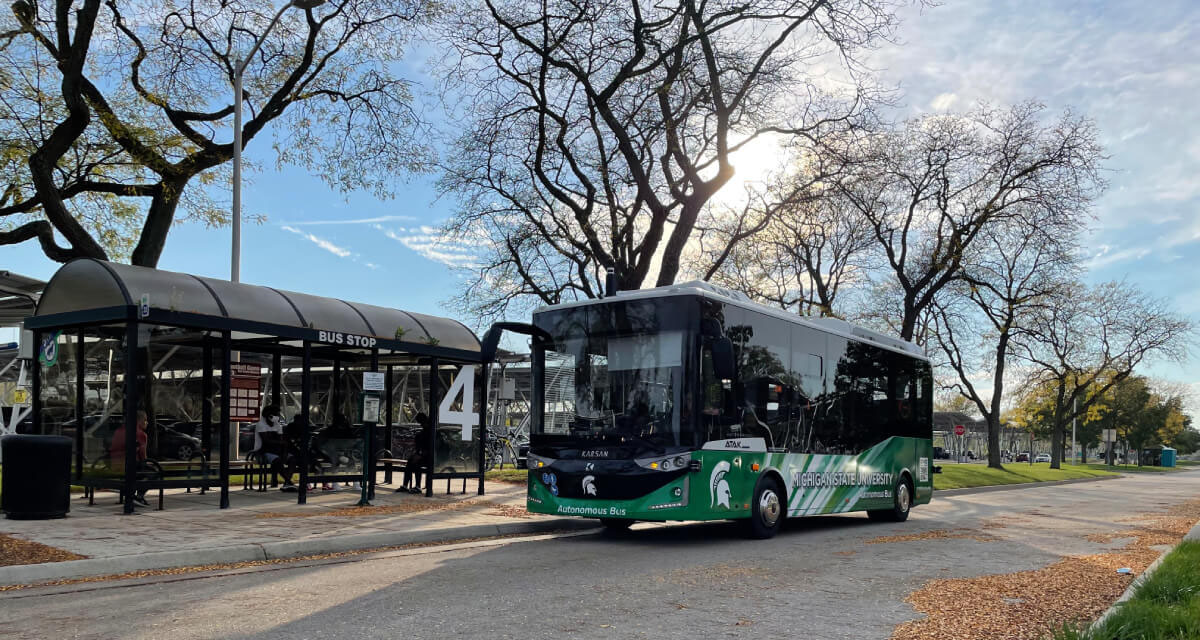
[464,383]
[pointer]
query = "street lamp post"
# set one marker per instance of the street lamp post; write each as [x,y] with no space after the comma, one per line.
[235,267]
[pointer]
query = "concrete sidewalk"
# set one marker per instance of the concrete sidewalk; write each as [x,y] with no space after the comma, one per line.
[191,530]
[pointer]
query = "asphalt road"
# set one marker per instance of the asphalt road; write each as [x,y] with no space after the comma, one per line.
[817,579]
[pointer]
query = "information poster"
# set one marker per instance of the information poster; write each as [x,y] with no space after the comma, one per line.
[245,391]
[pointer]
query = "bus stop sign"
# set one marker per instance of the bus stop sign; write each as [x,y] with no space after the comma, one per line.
[959,430]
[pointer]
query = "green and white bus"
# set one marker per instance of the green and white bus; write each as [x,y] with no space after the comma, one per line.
[690,402]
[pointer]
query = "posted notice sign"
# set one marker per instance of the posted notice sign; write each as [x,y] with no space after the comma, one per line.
[245,391]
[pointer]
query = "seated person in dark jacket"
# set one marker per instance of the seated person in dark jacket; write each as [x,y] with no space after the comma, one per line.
[419,460]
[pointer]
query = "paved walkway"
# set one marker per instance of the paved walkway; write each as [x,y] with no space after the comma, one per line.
[192,530]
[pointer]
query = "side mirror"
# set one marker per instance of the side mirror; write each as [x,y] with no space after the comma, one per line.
[722,352]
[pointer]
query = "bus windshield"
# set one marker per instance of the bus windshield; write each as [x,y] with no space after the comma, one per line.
[613,390]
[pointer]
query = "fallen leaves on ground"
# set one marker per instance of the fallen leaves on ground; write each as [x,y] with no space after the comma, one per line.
[1030,604]
[173,571]
[15,551]
[936,534]
[510,511]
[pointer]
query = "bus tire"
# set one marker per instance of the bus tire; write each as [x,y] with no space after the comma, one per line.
[902,497]
[766,510]
[616,525]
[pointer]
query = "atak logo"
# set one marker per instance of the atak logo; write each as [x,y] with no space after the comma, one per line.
[589,485]
[719,486]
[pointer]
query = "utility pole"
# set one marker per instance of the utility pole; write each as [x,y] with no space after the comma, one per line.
[1074,403]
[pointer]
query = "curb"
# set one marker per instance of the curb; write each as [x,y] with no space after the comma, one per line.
[1019,485]
[34,573]
[1194,534]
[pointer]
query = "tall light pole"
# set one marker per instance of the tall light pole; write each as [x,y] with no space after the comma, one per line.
[1073,410]
[235,267]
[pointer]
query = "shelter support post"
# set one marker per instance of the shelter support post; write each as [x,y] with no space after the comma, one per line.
[335,395]
[387,422]
[434,419]
[369,422]
[305,412]
[130,417]
[80,403]
[206,407]
[483,423]
[36,405]
[276,378]
[226,374]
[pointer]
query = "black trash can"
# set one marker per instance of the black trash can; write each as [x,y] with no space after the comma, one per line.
[37,476]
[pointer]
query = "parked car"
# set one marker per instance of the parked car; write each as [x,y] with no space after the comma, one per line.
[1042,457]
[940,453]
[175,445]
[1022,457]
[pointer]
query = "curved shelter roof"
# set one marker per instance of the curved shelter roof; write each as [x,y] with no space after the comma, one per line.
[107,289]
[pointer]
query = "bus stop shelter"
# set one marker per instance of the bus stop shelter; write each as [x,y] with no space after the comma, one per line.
[202,357]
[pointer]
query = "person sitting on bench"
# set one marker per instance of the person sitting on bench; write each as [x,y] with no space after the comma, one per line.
[268,443]
[419,459]
[116,453]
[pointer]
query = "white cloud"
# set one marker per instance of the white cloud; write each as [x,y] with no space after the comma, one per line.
[320,242]
[1106,257]
[431,243]
[943,101]
[375,220]
[1133,133]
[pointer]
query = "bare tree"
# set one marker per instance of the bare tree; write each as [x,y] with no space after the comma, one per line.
[1087,340]
[110,112]
[600,131]
[1013,271]
[930,190]
[805,248]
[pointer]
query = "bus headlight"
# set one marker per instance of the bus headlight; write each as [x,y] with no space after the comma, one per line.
[674,462]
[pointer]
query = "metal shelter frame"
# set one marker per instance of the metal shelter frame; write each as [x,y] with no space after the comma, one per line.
[232,318]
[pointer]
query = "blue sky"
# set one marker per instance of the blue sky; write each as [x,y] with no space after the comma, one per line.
[1132,68]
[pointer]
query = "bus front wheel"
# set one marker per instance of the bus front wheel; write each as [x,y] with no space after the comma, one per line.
[766,513]
[901,504]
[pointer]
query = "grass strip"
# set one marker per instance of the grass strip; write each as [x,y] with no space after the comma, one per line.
[962,476]
[1165,607]
[507,474]
[1127,468]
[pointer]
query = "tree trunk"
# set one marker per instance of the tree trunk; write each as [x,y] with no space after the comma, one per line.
[1056,447]
[993,418]
[908,324]
[159,219]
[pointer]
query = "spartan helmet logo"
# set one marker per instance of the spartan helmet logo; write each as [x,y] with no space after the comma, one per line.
[718,485]
[589,485]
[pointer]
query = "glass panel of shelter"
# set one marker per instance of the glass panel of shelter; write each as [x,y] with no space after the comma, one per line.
[57,359]
[104,394]
[457,439]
